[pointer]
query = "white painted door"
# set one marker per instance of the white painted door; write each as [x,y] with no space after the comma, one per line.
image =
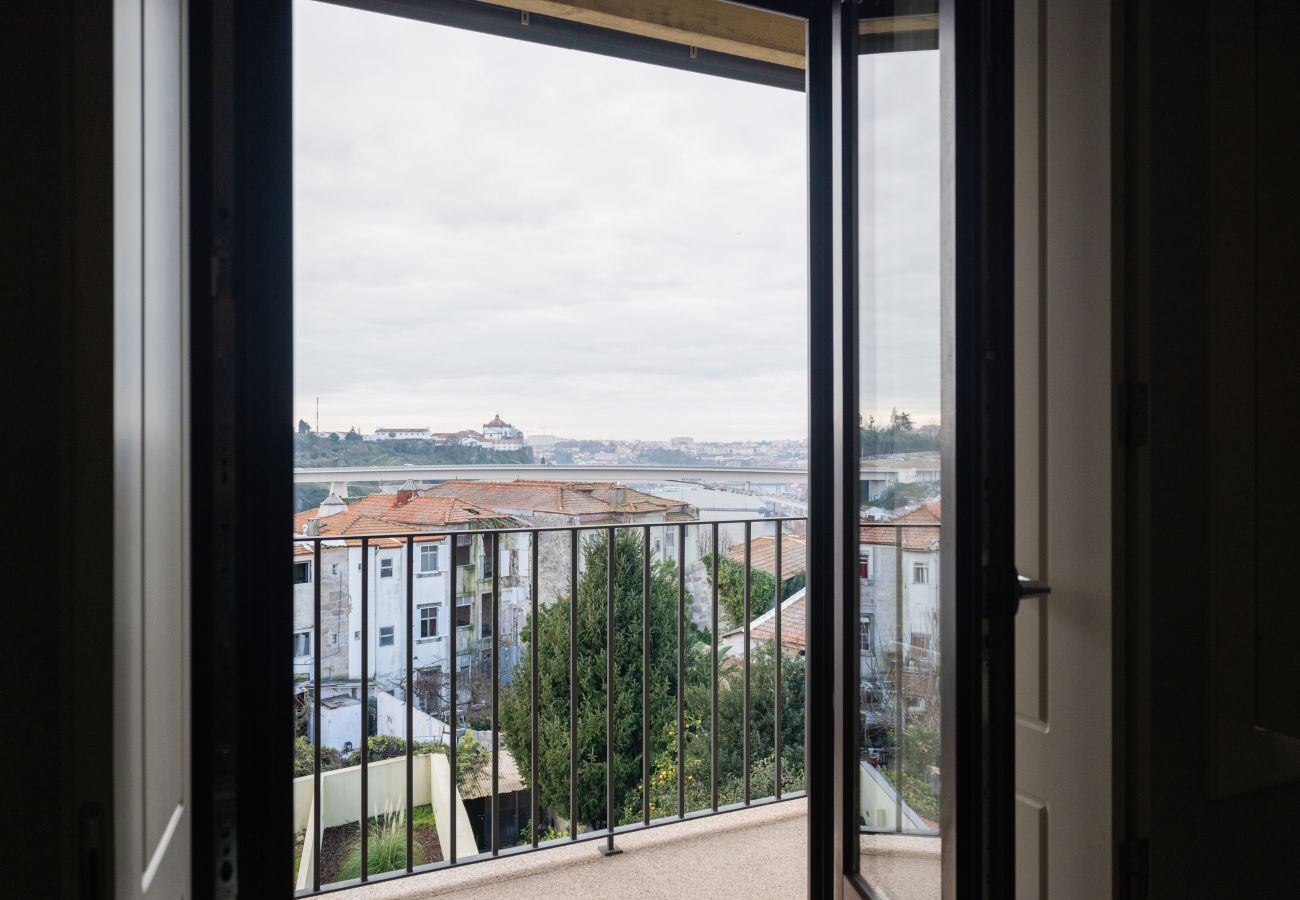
[151,477]
[1063,449]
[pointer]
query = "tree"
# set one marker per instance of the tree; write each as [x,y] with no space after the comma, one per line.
[303,427]
[697,750]
[731,589]
[549,638]
[899,421]
[352,435]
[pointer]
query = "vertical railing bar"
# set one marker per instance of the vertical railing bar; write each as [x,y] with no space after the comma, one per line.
[610,566]
[315,722]
[645,676]
[453,662]
[899,701]
[779,639]
[745,687]
[534,633]
[365,709]
[681,667]
[410,702]
[496,677]
[713,697]
[573,684]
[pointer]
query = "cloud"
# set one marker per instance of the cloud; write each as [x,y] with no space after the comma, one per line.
[594,246]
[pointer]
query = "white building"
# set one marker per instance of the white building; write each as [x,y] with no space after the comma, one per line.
[898,613]
[498,429]
[398,434]
[451,590]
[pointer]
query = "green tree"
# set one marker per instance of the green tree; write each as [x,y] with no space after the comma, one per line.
[303,427]
[697,750]
[899,421]
[352,435]
[731,590]
[549,637]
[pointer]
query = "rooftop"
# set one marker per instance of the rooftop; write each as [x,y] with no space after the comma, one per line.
[571,498]
[762,554]
[914,538]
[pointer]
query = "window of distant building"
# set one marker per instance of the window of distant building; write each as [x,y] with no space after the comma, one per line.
[864,566]
[920,642]
[864,634]
[485,617]
[386,635]
[302,573]
[463,611]
[920,573]
[429,621]
[462,551]
[302,643]
[385,568]
[429,558]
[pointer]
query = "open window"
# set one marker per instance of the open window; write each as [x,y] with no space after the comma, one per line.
[242,283]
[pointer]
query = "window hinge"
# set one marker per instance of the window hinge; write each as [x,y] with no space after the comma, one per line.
[1132,415]
[1134,863]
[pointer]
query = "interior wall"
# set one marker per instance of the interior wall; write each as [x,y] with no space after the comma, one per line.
[55,259]
[1211,754]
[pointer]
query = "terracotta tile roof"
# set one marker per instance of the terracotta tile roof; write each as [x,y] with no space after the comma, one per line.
[386,513]
[764,627]
[762,554]
[913,538]
[573,498]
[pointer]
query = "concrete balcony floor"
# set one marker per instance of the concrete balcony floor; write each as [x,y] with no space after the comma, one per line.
[759,852]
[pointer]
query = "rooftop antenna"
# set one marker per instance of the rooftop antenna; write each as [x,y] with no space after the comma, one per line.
[318,415]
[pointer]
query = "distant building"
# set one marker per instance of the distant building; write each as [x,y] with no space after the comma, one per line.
[543,503]
[501,430]
[398,434]
[682,441]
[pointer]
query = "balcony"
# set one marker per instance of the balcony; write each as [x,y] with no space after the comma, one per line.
[706,709]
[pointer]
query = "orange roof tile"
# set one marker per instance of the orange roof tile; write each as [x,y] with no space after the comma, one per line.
[792,623]
[912,538]
[762,554]
[574,498]
[381,513]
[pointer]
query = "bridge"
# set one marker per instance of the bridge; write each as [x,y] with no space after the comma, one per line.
[874,476]
[512,472]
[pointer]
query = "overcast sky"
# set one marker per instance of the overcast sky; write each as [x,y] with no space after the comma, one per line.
[589,246]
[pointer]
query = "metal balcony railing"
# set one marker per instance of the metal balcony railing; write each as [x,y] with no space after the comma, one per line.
[781,529]
[577,536]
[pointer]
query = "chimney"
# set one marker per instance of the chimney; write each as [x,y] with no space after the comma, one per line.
[312,528]
[333,504]
[404,493]
[618,496]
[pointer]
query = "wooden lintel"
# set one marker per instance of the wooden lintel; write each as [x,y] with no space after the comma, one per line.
[709,24]
[721,27]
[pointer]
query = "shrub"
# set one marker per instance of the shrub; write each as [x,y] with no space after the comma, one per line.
[386,851]
[304,761]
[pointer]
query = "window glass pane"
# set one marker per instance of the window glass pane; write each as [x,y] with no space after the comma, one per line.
[900,504]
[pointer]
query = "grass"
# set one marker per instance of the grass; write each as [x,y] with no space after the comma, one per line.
[387,844]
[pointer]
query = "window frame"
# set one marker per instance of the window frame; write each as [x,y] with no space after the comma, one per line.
[426,613]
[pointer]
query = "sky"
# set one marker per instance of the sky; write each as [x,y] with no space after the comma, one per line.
[591,247]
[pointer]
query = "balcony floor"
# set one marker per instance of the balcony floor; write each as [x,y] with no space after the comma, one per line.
[752,853]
